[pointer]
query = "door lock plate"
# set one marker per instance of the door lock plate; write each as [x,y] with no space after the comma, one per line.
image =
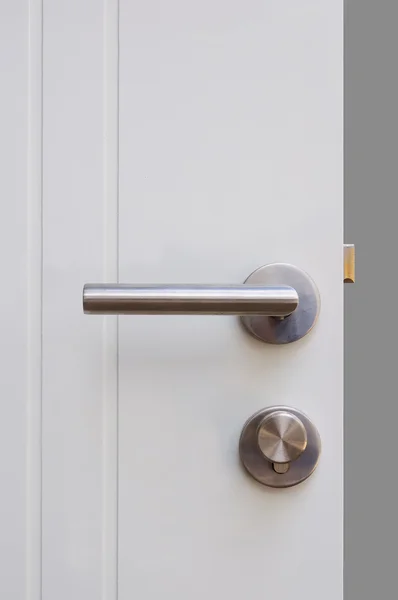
[279,446]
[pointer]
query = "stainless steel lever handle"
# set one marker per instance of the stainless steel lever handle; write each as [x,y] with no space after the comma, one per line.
[189,300]
[278,303]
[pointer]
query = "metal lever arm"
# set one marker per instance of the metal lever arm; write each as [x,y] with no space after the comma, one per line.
[276,301]
[275,290]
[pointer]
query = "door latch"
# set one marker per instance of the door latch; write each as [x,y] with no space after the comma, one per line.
[349,263]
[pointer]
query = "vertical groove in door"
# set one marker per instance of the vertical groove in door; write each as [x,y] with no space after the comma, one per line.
[110,324]
[34,304]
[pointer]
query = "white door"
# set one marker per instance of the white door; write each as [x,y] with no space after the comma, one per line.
[165,143]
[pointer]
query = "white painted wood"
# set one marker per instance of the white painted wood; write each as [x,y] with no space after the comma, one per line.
[154,142]
[74,363]
[34,300]
[110,356]
[16,310]
[230,157]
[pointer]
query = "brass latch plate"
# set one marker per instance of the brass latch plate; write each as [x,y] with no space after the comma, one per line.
[349,263]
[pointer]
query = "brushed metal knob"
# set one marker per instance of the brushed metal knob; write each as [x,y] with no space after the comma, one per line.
[282,438]
[279,446]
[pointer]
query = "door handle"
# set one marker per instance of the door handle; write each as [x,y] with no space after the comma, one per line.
[133,299]
[278,303]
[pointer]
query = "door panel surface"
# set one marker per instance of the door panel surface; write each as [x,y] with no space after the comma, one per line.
[167,142]
[230,157]
[17,390]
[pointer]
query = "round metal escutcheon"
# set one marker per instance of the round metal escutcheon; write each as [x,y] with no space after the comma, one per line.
[274,330]
[262,469]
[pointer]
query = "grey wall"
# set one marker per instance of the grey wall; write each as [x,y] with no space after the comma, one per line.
[371,172]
